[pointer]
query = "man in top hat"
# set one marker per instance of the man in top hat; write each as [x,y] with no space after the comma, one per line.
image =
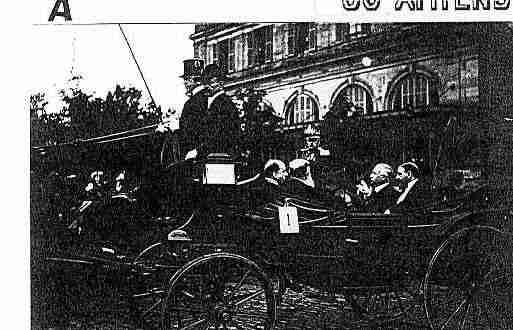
[222,121]
[192,69]
[192,119]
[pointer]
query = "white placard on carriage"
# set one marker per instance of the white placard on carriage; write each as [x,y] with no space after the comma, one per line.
[289,223]
[219,173]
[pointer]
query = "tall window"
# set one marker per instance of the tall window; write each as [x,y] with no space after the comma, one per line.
[360,98]
[268,43]
[414,90]
[260,45]
[354,99]
[252,52]
[312,36]
[302,109]
[222,54]
[341,31]
[215,53]
[231,55]
[359,30]
[297,40]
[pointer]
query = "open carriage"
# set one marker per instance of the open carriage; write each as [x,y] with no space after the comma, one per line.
[227,252]
[227,260]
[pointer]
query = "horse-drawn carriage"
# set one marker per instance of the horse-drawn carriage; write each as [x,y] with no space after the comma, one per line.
[226,255]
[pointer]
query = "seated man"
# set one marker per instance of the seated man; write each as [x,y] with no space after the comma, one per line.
[300,180]
[379,195]
[301,183]
[266,186]
[413,193]
[275,172]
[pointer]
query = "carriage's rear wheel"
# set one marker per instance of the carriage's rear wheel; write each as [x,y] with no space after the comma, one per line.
[220,291]
[469,282]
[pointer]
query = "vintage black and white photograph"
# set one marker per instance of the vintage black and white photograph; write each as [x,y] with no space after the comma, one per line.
[272,175]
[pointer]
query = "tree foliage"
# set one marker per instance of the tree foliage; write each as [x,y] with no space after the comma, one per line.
[84,115]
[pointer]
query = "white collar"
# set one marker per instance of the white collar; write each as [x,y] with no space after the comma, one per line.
[272,181]
[381,187]
[213,97]
[198,89]
[308,181]
[410,185]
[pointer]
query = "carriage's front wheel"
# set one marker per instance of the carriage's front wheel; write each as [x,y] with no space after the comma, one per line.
[152,269]
[220,291]
[469,282]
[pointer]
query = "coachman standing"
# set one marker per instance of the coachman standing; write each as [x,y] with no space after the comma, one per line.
[210,120]
[223,127]
[192,119]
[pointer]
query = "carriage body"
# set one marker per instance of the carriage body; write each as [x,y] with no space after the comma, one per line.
[335,250]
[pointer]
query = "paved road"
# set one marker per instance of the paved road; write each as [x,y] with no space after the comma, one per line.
[308,309]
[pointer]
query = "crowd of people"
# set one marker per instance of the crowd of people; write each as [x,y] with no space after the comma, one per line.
[210,124]
[385,191]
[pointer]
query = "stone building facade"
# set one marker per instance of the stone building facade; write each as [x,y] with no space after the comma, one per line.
[385,70]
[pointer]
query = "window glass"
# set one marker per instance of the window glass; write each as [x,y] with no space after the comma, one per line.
[301,110]
[412,91]
[251,48]
[231,55]
[341,31]
[359,97]
[312,36]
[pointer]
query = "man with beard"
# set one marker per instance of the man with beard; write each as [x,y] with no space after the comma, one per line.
[414,194]
[300,182]
[379,195]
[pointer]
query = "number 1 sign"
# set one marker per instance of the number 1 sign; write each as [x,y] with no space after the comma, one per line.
[289,223]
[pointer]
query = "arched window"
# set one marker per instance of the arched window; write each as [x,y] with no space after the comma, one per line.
[302,109]
[414,90]
[360,98]
[353,99]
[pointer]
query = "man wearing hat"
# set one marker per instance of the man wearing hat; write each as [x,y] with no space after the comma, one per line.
[222,120]
[192,70]
[192,119]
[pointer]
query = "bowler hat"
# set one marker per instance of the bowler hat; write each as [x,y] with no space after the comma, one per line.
[212,71]
[192,68]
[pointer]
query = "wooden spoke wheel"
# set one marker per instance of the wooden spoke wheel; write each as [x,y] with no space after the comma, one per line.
[469,282]
[152,269]
[220,291]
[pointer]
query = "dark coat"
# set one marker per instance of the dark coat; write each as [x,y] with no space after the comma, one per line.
[417,199]
[259,192]
[381,201]
[223,126]
[296,188]
[193,122]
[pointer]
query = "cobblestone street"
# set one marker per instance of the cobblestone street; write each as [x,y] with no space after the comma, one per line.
[306,310]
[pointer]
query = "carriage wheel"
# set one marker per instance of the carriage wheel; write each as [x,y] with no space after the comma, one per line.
[152,269]
[220,291]
[469,282]
[382,305]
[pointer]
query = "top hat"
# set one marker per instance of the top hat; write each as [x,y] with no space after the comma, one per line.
[192,68]
[212,71]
